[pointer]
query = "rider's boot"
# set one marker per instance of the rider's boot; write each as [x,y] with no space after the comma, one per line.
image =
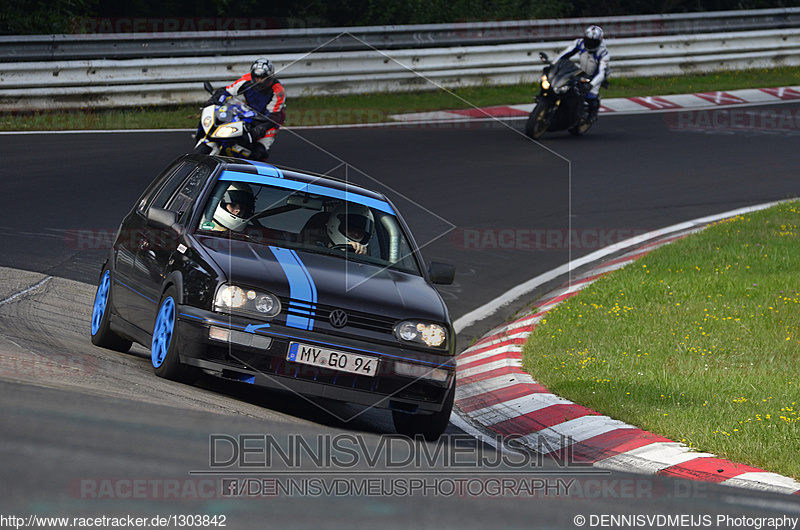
[259,152]
[594,107]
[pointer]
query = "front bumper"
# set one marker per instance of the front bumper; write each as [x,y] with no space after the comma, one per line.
[263,361]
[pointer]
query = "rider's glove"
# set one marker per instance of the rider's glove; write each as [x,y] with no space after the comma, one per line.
[259,129]
[219,97]
[276,119]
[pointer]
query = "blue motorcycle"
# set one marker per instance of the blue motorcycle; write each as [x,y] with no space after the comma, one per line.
[225,128]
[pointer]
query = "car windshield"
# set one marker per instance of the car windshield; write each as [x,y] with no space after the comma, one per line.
[307,217]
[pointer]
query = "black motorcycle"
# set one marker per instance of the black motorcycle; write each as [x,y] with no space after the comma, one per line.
[561,102]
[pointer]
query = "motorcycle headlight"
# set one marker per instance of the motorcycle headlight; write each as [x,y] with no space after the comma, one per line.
[208,118]
[545,82]
[426,333]
[226,131]
[232,298]
[562,89]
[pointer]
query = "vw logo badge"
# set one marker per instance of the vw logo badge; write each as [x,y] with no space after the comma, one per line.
[338,318]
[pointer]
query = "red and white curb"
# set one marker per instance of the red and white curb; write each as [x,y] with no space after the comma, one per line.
[635,105]
[496,395]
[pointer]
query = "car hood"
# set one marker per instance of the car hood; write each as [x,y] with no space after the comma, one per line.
[333,281]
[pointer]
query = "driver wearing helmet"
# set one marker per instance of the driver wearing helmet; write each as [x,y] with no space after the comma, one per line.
[235,208]
[351,224]
[594,59]
[264,94]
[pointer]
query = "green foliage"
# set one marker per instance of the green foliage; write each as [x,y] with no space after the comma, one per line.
[25,17]
[697,341]
[393,12]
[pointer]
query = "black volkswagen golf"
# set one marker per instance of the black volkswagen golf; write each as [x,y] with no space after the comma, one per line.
[287,280]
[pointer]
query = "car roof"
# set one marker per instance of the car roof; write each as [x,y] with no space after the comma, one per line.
[262,168]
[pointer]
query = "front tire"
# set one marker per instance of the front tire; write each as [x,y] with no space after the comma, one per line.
[430,426]
[164,347]
[102,311]
[202,149]
[539,120]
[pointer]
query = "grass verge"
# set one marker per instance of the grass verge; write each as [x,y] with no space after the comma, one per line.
[697,341]
[371,108]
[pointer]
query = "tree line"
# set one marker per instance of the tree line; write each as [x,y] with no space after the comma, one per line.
[46,17]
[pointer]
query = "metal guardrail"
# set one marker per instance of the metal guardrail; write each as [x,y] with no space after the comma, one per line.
[178,80]
[122,45]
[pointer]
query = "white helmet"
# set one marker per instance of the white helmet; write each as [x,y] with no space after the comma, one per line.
[240,195]
[262,69]
[592,37]
[351,222]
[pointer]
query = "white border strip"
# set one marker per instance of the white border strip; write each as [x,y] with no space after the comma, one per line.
[26,291]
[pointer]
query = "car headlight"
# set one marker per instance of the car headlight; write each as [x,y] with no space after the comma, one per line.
[431,335]
[232,298]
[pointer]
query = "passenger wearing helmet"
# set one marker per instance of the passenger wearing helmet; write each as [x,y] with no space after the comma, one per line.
[264,94]
[351,224]
[594,60]
[235,208]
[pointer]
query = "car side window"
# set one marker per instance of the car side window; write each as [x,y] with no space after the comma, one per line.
[153,190]
[168,190]
[188,193]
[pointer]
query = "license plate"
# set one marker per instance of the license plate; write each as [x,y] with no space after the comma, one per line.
[353,363]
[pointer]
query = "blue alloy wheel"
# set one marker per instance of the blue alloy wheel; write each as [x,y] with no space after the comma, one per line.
[100,302]
[102,315]
[162,333]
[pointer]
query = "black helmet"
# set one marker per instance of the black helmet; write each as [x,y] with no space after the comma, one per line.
[262,70]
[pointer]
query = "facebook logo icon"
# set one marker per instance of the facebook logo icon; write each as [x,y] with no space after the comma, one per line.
[230,487]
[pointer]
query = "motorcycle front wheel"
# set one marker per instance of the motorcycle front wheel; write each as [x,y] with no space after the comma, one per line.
[202,149]
[539,120]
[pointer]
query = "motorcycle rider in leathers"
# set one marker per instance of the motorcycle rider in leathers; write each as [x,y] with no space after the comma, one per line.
[594,60]
[264,94]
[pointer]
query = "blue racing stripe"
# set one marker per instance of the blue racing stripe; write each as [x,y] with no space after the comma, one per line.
[269,171]
[302,289]
[273,179]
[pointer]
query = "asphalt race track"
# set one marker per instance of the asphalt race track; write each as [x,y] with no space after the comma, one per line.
[89,432]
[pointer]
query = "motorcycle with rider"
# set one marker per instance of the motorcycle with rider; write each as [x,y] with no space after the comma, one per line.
[243,118]
[569,93]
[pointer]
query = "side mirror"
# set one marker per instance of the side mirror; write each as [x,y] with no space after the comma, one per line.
[208,87]
[441,273]
[543,56]
[161,218]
